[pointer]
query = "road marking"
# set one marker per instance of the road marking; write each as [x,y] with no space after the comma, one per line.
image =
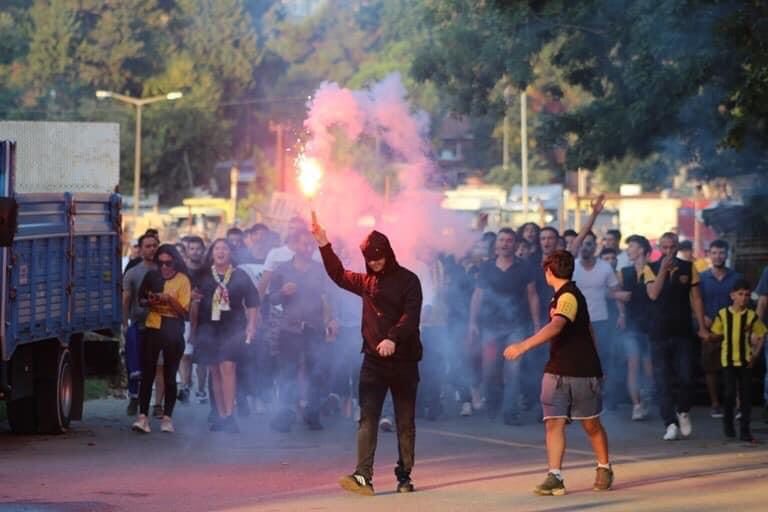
[501,442]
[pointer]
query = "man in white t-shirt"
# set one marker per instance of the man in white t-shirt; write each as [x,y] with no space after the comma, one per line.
[599,284]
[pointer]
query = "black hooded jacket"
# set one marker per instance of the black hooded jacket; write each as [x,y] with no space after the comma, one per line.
[391,298]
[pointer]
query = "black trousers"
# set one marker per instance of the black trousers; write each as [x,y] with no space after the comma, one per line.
[401,378]
[738,379]
[170,340]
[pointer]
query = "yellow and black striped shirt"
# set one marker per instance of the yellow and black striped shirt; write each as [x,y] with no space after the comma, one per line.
[737,328]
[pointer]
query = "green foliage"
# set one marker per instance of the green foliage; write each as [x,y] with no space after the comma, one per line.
[660,83]
[54,54]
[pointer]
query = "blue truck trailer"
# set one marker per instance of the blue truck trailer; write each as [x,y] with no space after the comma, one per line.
[60,287]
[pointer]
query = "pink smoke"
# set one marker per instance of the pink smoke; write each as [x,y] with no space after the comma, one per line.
[346,203]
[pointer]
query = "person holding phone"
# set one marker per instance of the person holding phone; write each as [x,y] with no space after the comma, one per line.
[166,292]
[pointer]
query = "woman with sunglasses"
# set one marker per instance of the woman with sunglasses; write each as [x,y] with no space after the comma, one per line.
[223,322]
[166,292]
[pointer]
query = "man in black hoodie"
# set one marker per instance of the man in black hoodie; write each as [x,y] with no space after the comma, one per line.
[392,350]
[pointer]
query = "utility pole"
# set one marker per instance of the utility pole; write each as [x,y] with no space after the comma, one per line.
[524,150]
[278,129]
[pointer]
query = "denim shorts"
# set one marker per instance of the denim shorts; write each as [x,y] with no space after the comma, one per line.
[636,344]
[572,398]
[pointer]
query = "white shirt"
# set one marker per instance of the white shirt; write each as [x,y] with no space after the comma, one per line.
[594,284]
[622,260]
[282,254]
[254,271]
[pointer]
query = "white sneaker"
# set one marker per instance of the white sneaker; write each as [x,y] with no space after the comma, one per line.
[141,424]
[259,408]
[166,425]
[685,423]
[672,433]
[466,409]
[639,412]
[477,400]
[385,424]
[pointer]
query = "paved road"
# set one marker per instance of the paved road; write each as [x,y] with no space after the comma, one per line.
[463,464]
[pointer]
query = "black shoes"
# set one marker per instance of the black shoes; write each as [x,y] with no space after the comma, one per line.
[405,486]
[357,484]
[227,424]
[133,407]
[183,395]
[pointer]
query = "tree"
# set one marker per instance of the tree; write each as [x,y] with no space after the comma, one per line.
[645,65]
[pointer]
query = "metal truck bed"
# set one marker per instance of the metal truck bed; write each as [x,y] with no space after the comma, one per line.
[64,268]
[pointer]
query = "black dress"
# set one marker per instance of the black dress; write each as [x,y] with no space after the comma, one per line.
[223,340]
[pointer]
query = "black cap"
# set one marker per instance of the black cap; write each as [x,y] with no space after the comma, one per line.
[685,245]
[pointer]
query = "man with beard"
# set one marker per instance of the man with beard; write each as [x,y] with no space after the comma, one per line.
[673,286]
[504,297]
[392,350]
[134,315]
[716,285]
[306,328]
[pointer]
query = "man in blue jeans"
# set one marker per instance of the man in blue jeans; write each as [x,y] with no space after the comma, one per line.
[673,286]
[762,309]
[504,303]
[134,316]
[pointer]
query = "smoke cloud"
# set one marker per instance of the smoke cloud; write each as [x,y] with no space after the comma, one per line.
[348,203]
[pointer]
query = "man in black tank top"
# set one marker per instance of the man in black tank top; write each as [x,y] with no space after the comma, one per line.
[571,387]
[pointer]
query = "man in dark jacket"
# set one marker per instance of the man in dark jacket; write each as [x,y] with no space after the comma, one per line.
[392,350]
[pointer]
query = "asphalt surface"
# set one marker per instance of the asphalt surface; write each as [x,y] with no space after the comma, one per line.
[463,464]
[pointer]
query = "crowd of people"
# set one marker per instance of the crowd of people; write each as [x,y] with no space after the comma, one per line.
[251,324]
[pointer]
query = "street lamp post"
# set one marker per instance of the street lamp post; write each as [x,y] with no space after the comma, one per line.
[139,104]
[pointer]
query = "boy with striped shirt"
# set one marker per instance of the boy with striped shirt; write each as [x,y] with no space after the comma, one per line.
[740,333]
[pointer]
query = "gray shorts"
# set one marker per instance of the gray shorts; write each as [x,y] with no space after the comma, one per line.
[572,398]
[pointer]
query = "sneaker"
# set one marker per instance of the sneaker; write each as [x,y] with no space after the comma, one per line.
[477,400]
[747,437]
[738,415]
[183,396]
[603,479]
[385,424]
[466,409]
[672,433]
[215,423]
[312,421]
[639,412]
[512,419]
[357,484]
[229,425]
[551,486]
[259,408]
[133,407]
[141,424]
[166,425]
[157,411]
[243,408]
[405,485]
[202,397]
[684,420]
[716,412]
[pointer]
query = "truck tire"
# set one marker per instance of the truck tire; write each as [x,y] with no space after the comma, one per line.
[54,396]
[22,415]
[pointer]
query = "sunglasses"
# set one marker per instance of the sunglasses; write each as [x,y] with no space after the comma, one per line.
[165,263]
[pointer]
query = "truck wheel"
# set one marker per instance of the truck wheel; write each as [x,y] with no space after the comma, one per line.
[54,396]
[22,415]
